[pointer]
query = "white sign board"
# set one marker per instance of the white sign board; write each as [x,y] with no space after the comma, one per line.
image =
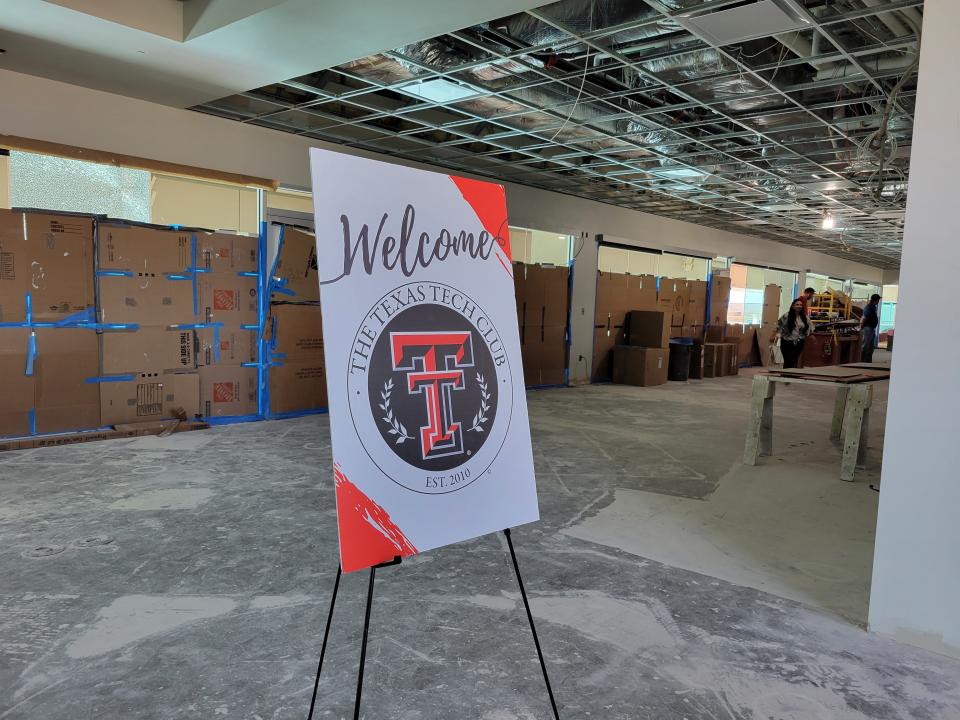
[428,416]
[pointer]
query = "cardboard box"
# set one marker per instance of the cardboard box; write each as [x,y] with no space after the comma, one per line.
[298,330]
[298,386]
[619,296]
[603,344]
[672,297]
[696,361]
[715,333]
[712,360]
[648,328]
[66,358]
[145,251]
[150,396]
[149,349]
[732,356]
[228,390]
[51,257]
[18,387]
[687,331]
[145,300]
[227,298]
[225,253]
[639,365]
[724,353]
[226,345]
[553,356]
[641,292]
[296,266]
[530,357]
[719,300]
[556,296]
[747,346]
[696,312]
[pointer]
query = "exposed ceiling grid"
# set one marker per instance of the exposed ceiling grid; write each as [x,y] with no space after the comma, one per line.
[657,106]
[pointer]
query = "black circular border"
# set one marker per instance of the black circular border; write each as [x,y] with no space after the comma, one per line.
[510,380]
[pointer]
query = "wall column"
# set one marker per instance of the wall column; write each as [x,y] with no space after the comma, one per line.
[916,573]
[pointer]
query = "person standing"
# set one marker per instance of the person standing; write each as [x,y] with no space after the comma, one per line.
[793,327]
[806,298]
[868,328]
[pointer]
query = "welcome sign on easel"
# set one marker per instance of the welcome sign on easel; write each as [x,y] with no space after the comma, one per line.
[428,416]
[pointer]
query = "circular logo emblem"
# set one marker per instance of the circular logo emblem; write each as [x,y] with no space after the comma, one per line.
[430,388]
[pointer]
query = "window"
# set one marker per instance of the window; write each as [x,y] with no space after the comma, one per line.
[624,260]
[747,286]
[56,183]
[621,259]
[862,292]
[683,266]
[540,247]
[176,200]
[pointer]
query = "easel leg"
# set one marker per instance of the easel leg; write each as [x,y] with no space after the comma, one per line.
[323,648]
[363,644]
[839,406]
[533,629]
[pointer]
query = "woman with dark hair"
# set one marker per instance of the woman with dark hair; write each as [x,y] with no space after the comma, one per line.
[793,327]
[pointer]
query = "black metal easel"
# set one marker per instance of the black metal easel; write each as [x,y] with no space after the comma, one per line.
[366,629]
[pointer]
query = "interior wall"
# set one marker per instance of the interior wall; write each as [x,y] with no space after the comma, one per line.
[916,575]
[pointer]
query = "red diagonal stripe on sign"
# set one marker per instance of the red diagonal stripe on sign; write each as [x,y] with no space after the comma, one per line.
[367,534]
[489,202]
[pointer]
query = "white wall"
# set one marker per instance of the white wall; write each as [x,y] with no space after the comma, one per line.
[43,109]
[916,576]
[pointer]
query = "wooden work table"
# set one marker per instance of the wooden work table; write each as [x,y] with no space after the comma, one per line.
[851,411]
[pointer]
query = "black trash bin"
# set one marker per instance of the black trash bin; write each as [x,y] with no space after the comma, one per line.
[678,367]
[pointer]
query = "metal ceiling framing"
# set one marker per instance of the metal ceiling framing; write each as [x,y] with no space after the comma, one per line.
[618,101]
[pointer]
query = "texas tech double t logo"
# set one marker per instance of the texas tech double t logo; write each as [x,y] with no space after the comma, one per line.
[434,364]
[430,388]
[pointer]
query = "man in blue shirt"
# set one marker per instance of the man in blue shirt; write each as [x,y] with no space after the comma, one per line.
[868,328]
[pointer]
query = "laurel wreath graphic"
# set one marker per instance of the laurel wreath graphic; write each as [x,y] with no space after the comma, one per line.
[396,427]
[481,417]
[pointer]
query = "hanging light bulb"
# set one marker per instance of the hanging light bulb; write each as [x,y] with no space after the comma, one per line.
[827,223]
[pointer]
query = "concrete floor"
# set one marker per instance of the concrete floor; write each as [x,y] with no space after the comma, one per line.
[189,577]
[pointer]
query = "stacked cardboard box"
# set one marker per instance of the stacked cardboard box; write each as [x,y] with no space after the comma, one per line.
[719,300]
[46,264]
[144,279]
[297,376]
[718,360]
[227,303]
[617,294]
[640,365]
[542,296]
[48,256]
[644,359]
[298,382]
[770,314]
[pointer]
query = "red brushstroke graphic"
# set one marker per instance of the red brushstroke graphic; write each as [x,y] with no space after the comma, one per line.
[367,534]
[489,202]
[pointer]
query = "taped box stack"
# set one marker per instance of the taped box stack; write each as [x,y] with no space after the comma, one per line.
[105,322]
[48,347]
[617,295]
[297,378]
[541,293]
[644,359]
[179,319]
